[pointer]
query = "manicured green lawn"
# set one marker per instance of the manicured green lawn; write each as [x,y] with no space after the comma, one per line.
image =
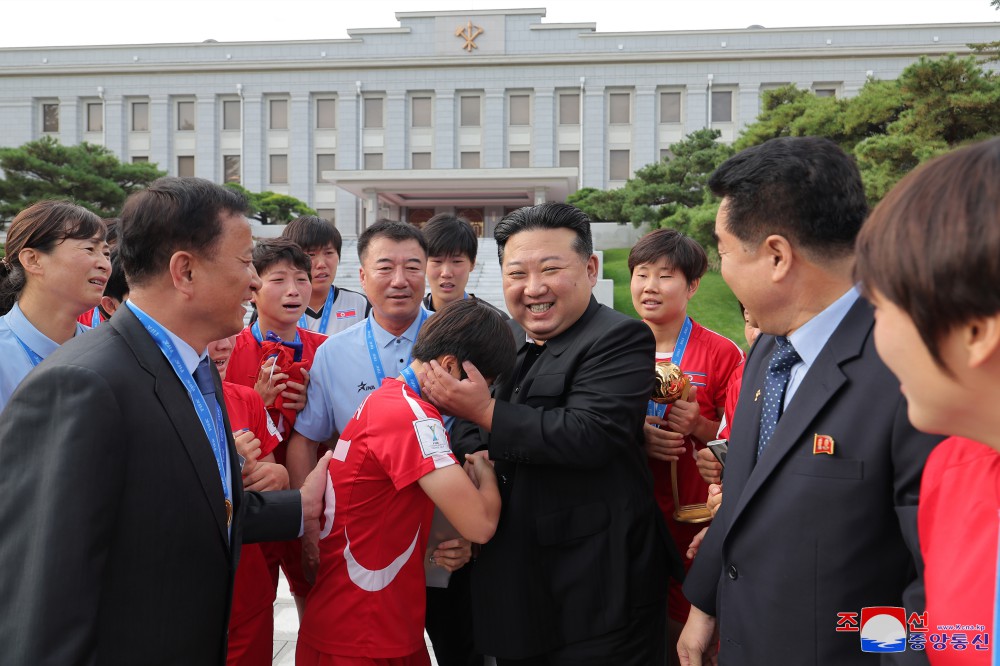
[714,306]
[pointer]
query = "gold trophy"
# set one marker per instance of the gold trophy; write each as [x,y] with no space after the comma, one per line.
[673,385]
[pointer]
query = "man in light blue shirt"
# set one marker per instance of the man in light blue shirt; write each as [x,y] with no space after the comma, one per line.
[353,363]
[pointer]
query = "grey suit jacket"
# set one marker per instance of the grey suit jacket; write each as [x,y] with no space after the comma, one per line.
[801,535]
[115,547]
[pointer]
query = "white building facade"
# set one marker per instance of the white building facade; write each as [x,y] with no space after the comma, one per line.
[475,112]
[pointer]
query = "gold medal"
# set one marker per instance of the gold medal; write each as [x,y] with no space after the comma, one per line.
[229,513]
[671,384]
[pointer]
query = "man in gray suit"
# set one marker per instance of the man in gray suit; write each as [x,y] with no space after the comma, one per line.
[823,469]
[123,509]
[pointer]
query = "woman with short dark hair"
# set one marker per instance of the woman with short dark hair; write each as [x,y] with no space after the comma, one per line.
[929,260]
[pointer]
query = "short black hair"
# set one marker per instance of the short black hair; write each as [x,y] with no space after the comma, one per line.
[313,233]
[171,215]
[804,188]
[267,253]
[552,215]
[450,236]
[683,253]
[393,230]
[932,245]
[473,331]
[117,285]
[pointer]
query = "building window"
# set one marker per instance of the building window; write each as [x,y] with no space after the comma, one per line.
[421,112]
[569,109]
[328,214]
[420,161]
[569,158]
[619,165]
[373,113]
[231,119]
[231,168]
[279,169]
[50,117]
[185,116]
[470,160]
[470,111]
[140,159]
[140,116]
[279,114]
[185,166]
[325,162]
[520,109]
[95,117]
[326,114]
[670,107]
[722,106]
[373,161]
[520,159]
[825,92]
[620,112]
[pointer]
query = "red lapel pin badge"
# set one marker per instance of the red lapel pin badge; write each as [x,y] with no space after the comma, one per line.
[822,444]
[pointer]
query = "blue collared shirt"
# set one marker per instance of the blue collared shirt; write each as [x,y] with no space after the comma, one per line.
[810,338]
[16,364]
[342,376]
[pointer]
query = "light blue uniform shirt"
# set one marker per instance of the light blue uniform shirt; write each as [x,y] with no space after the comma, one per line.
[15,364]
[810,338]
[342,376]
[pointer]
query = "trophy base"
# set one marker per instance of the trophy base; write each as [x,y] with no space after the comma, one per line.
[693,513]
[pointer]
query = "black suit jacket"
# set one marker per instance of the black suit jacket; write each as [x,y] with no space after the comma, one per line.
[802,536]
[580,541]
[114,547]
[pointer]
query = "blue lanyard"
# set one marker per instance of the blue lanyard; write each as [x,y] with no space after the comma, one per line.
[373,348]
[659,409]
[327,309]
[33,357]
[682,342]
[411,379]
[255,332]
[212,428]
[95,317]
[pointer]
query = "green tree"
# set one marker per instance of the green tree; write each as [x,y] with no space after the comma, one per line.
[989,50]
[891,126]
[86,174]
[271,207]
[659,191]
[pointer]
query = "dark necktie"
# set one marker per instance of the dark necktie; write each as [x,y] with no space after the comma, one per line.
[779,369]
[203,377]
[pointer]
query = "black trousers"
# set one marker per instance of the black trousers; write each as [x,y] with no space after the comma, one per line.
[641,643]
[449,621]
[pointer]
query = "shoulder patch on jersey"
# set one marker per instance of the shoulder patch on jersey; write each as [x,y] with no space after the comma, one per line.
[432,436]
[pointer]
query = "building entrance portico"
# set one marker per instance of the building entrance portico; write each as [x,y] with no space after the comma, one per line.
[482,196]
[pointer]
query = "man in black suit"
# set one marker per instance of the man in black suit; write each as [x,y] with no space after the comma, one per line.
[823,469]
[123,509]
[577,571]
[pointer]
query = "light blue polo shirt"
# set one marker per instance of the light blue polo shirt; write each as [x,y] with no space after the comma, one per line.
[15,363]
[342,375]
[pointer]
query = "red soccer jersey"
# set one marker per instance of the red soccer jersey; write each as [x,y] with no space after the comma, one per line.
[957,521]
[245,362]
[709,360]
[252,589]
[368,600]
[732,396]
